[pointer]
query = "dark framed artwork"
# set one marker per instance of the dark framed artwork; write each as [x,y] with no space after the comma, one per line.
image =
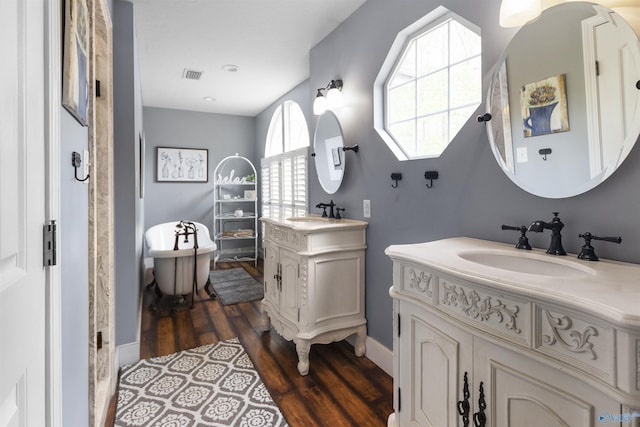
[75,79]
[182,164]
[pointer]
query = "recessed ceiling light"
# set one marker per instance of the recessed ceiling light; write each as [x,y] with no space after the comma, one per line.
[209,98]
[230,68]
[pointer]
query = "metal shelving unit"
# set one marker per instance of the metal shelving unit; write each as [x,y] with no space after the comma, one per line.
[235,210]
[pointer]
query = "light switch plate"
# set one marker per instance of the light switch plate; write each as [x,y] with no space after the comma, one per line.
[366,208]
[522,155]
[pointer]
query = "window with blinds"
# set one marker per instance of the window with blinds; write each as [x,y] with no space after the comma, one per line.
[284,184]
[284,169]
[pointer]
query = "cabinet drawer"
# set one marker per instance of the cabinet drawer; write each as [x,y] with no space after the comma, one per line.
[576,340]
[493,312]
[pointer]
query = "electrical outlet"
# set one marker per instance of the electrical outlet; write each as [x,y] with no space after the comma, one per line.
[366,208]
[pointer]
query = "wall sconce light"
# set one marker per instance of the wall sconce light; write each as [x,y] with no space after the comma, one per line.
[516,13]
[328,98]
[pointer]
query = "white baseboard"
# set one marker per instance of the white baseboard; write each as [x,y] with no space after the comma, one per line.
[126,354]
[377,353]
[148,263]
[380,355]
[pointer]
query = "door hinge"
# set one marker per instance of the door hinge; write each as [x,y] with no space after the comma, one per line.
[597,68]
[399,399]
[398,324]
[49,244]
[298,315]
[98,88]
[99,340]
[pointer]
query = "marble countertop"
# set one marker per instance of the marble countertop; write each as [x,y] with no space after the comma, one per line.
[608,289]
[315,223]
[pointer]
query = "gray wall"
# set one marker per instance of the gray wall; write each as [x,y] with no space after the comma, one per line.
[73,250]
[127,123]
[223,135]
[472,197]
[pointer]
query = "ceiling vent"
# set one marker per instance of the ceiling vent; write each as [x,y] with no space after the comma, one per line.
[191,74]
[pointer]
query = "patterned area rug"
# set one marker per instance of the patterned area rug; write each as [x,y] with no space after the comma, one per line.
[235,285]
[212,385]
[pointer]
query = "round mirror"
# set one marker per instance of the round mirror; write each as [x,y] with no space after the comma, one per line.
[329,155]
[565,100]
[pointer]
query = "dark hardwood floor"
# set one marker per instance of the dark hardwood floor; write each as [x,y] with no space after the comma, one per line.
[340,389]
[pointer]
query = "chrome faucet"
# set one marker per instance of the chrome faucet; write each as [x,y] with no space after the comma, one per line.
[555,248]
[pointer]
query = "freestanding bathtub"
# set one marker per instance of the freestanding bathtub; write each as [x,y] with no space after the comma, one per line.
[173,269]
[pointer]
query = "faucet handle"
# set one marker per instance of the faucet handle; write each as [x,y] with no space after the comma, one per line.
[523,241]
[338,216]
[324,209]
[587,251]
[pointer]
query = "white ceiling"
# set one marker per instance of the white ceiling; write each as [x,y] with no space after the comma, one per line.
[268,40]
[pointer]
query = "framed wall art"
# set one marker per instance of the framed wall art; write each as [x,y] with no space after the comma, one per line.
[182,164]
[75,79]
[544,107]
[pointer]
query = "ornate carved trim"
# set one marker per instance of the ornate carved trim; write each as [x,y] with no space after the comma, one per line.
[288,237]
[580,340]
[638,365]
[303,282]
[474,307]
[421,282]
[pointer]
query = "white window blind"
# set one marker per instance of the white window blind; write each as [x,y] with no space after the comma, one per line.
[284,184]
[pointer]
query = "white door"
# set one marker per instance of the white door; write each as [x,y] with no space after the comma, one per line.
[22,214]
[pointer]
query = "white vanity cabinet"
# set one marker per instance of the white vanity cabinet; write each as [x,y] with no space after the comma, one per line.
[558,345]
[314,282]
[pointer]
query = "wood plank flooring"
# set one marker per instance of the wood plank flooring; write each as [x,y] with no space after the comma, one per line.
[340,389]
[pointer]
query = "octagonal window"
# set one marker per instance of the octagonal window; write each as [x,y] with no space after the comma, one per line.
[430,85]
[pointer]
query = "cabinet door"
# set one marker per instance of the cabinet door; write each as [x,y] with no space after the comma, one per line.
[271,257]
[289,285]
[526,393]
[433,356]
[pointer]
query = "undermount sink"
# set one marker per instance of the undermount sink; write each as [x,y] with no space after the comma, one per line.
[527,263]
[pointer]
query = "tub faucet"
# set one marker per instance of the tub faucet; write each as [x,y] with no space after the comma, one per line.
[555,248]
[189,229]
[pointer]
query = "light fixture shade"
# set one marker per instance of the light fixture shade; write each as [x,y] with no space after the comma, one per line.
[516,13]
[319,104]
[334,98]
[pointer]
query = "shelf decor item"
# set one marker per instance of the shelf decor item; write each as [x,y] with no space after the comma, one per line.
[235,207]
[182,164]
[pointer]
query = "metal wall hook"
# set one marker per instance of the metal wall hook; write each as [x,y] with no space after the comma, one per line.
[353,148]
[396,177]
[543,152]
[430,175]
[76,162]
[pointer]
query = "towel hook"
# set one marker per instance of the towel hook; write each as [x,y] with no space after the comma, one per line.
[76,162]
[396,177]
[430,175]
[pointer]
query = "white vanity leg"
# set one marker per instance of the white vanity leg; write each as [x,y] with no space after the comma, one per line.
[266,321]
[361,339]
[303,347]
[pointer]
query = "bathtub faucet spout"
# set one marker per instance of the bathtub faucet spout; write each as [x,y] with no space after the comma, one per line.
[188,228]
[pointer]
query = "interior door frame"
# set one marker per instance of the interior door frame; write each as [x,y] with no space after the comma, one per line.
[53,102]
